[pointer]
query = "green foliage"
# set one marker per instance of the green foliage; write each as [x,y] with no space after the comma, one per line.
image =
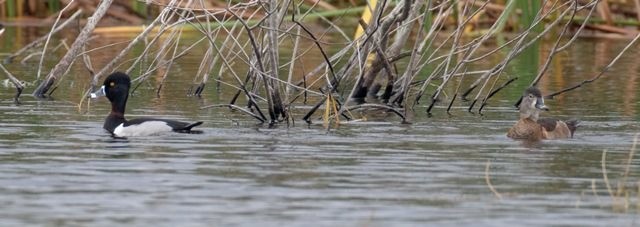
[428,18]
[54,6]
[139,7]
[526,65]
[11,8]
[529,9]
[504,17]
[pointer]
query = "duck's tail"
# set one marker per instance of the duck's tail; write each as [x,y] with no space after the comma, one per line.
[190,126]
[572,125]
[184,127]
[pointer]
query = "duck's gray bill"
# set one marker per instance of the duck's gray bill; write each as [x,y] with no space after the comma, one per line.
[98,93]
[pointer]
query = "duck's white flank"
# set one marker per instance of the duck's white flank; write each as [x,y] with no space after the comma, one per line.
[147,128]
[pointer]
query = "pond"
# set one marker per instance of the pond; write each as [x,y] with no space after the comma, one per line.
[58,167]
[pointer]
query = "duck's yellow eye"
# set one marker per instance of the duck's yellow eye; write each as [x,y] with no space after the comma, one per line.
[112,84]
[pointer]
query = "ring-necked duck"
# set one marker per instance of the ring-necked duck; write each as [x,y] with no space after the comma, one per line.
[531,128]
[116,88]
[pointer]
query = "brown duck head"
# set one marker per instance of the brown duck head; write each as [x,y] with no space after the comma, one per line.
[532,103]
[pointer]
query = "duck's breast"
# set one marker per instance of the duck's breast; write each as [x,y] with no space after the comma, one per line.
[525,129]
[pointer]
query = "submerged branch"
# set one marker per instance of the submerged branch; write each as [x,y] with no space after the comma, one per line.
[494,92]
[378,106]
[16,83]
[231,106]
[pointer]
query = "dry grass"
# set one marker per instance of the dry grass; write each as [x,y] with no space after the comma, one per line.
[622,194]
[487,179]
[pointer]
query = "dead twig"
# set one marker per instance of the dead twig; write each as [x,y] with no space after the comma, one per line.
[487,179]
[378,106]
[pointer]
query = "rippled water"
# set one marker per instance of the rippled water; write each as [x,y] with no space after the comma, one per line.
[59,168]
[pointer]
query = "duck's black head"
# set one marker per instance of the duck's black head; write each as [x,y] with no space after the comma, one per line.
[532,103]
[116,88]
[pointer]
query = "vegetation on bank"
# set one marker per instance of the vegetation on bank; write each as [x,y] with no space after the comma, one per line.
[435,41]
[614,16]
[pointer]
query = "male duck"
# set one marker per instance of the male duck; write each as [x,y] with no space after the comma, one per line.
[116,88]
[529,127]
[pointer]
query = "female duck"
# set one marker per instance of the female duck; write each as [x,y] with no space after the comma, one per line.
[116,88]
[531,128]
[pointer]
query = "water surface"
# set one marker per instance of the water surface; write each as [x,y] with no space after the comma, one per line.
[58,167]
